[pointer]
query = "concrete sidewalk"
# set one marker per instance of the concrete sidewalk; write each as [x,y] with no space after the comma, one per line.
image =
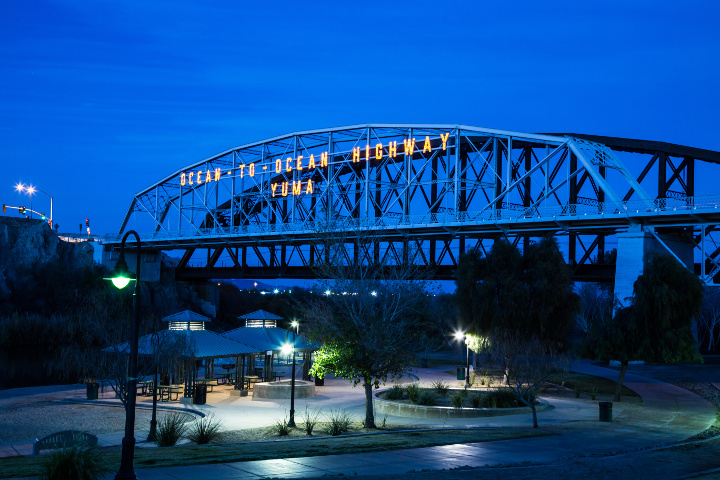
[669,414]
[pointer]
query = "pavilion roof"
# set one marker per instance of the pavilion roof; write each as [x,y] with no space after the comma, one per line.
[260,315]
[268,338]
[186,316]
[198,344]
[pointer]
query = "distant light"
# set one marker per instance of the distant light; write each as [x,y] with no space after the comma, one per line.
[276,291]
[459,335]
[289,291]
[294,323]
[327,292]
[30,190]
[373,293]
[20,187]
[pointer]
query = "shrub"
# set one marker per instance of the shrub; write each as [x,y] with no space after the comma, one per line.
[413,391]
[204,430]
[311,419]
[483,380]
[428,398]
[473,378]
[396,392]
[281,427]
[170,429]
[593,393]
[499,398]
[74,463]
[441,387]
[339,422]
[578,391]
[458,398]
[475,400]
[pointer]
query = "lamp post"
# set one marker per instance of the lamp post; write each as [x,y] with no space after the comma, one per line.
[30,190]
[291,421]
[463,336]
[120,277]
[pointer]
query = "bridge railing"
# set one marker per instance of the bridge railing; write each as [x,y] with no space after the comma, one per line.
[587,207]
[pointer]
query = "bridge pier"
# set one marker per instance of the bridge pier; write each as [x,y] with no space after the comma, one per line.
[632,247]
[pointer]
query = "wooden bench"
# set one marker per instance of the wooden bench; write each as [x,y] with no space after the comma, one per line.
[64,439]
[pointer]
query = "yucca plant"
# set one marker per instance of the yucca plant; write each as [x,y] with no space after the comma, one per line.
[74,463]
[204,430]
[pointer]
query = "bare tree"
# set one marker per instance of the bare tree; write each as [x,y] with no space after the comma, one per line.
[529,371]
[372,320]
[709,319]
[597,305]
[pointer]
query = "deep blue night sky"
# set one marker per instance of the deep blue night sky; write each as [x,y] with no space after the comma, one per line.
[101,99]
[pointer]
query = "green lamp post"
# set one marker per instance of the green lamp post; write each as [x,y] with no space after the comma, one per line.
[120,277]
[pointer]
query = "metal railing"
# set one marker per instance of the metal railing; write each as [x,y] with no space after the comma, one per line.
[630,208]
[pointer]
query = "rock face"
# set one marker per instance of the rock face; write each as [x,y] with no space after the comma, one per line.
[25,243]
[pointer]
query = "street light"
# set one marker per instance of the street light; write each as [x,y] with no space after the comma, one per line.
[462,336]
[120,277]
[291,348]
[30,190]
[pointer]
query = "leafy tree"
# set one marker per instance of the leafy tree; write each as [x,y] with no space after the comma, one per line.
[372,324]
[529,295]
[656,326]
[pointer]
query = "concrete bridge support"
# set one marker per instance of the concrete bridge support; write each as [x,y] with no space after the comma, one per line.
[632,247]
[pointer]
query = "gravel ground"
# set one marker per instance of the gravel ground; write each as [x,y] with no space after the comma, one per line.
[24,423]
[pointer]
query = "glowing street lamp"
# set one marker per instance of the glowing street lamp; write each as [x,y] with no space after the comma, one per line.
[120,277]
[291,422]
[30,190]
[462,336]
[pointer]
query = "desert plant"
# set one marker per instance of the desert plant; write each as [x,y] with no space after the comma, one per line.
[475,400]
[578,391]
[74,463]
[483,380]
[473,378]
[311,419]
[204,430]
[427,397]
[441,387]
[339,422]
[458,398]
[281,427]
[413,391]
[170,429]
[396,392]
[593,393]
[384,421]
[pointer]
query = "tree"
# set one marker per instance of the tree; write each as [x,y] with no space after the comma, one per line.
[656,326]
[529,371]
[372,322]
[596,305]
[529,295]
[709,319]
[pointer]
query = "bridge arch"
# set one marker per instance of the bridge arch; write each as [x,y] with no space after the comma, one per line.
[440,188]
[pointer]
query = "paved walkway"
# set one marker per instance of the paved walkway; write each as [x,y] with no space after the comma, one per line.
[668,414]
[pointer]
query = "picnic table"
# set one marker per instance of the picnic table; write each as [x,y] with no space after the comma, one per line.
[251,379]
[147,387]
[209,382]
[167,391]
[278,375]
[225,377]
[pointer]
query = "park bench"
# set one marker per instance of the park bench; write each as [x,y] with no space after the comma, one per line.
[64,439]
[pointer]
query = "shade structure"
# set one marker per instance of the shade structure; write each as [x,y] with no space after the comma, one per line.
[268,338]
[260,318]
[186,320]
[199,344]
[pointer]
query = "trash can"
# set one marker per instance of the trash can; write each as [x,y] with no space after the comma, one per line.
[460,373]
[605,411]
[92,391]
[319,382]
[200,396]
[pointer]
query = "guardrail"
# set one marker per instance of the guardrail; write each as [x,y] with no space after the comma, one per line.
[631,208]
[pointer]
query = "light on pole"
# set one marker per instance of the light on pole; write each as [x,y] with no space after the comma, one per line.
[120,277]
[462,336]
[30,190]
[291,348]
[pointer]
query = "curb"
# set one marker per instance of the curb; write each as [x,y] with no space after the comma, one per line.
[110,403]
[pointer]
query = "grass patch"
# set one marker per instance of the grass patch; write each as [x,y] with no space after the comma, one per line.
[586,383]
[241,452]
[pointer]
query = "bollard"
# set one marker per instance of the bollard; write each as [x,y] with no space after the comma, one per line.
[605,411]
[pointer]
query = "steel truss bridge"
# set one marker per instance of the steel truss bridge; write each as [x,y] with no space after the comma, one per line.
[430,191]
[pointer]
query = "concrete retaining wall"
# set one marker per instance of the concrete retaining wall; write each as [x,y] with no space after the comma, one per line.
[281,389]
